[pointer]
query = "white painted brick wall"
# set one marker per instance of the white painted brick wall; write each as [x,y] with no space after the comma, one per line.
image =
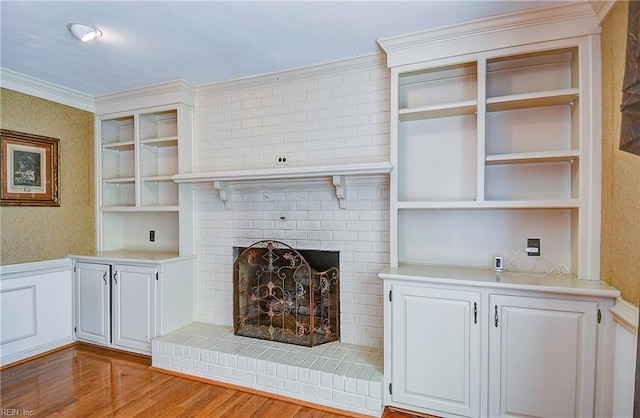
[361,236]
[319,118]
[329,118]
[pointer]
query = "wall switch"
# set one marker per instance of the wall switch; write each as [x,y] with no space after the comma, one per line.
[533,247]
[152,236]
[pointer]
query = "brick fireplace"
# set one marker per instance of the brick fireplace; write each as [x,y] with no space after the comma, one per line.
[327,115]
[344,374]
[307,217]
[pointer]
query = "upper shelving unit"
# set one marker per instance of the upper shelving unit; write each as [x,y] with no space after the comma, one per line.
[493,140]
[139,156]
[144,137]
[528,134]
[437,118]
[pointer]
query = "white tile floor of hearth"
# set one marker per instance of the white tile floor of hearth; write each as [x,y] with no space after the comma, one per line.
[337,375]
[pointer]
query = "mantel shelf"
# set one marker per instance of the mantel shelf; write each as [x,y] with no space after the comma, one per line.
[336,173]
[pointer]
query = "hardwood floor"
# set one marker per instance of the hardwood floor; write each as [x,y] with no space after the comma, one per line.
[87,381]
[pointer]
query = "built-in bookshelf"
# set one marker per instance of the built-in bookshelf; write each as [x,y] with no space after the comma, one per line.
[490,148]
[138,152]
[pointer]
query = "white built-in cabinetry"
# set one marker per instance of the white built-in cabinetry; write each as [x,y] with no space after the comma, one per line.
[124,302]
[472,342]
[139,283]
[542,354]
[138,151]
[435,335]
[495,139]
[93,302]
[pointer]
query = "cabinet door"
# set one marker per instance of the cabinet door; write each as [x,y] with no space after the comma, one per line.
[542,357]
[435,348]
[92,302]
[134,306]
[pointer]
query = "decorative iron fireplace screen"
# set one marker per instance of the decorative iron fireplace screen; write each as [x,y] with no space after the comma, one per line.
[280,296]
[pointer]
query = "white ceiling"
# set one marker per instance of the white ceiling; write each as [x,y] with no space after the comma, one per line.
[148,42]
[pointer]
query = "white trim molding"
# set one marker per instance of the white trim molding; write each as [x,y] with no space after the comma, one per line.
[14,271]
[7,360]
[626,315]
[24,301]
[626,330]
[375,60]
[550,23]
[170,92]
[602,8]
[226,181]
[44,90]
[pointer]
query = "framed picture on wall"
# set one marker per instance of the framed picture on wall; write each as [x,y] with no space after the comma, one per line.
[29,173]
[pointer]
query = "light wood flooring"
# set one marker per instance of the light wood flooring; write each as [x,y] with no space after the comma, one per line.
[88,381]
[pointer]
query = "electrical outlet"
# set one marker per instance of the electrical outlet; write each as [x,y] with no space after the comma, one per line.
[534,243]
[282,160]
[152,236]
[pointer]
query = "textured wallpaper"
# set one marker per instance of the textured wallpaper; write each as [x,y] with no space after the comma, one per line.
[620,249]
[44,233]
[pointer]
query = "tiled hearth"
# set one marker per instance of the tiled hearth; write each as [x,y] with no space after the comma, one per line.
[336,374]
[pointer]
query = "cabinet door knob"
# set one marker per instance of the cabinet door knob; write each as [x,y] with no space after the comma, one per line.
[475,312]
[496,316]
[115,276]
[104,278]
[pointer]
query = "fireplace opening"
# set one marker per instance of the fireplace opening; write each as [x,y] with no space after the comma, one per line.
[286,295]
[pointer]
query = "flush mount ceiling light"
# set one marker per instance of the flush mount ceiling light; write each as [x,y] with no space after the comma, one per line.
[84,32]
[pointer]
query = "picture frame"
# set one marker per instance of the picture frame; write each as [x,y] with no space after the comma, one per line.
[29,169]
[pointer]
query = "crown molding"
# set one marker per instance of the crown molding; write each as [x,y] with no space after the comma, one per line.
[534,25]
[44,90]
[602,8]
[474,28]
[170,92]
[369,61]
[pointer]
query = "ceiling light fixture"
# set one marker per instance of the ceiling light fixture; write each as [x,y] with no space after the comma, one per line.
[84,32]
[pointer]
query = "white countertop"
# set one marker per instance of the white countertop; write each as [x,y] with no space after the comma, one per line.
[479,277]
[128,256]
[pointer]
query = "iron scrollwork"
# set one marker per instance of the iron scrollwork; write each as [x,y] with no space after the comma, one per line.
[278,296]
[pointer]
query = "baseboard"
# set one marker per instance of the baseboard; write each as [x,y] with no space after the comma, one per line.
[114,349]
[394,412]
[34,353]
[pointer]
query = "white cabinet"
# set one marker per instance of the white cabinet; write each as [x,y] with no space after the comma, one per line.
[142,141]
[93,298]
[125,299]
[435,344]
[495,139]
[542,357]
[134,312]
[470,342]
[116,305]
